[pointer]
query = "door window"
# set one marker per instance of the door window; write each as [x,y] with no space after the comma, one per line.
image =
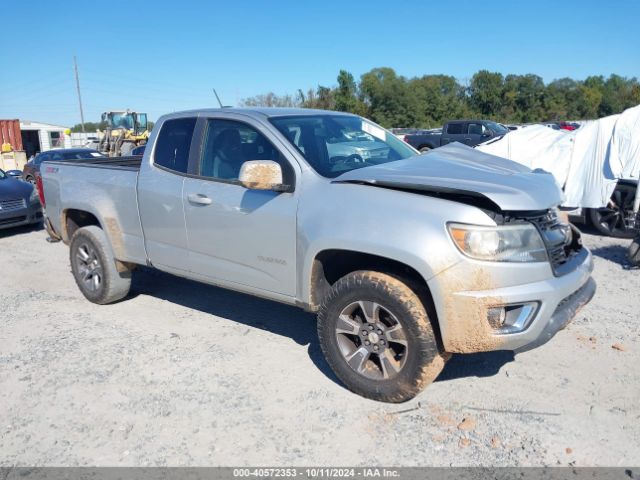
[228,144]
[455,128]
[173,144]
[476,129]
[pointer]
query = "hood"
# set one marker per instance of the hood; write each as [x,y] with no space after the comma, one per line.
[457,168]
[12,189]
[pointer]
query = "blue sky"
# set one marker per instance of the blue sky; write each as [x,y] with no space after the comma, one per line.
[164,56]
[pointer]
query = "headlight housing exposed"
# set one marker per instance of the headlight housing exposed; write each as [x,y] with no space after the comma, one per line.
[504,243]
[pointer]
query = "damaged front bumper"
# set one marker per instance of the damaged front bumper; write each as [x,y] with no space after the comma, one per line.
[470,291]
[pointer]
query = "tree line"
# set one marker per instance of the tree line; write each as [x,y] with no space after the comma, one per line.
[393,100]
[92,127]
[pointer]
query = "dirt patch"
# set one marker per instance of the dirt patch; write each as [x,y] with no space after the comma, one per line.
[115,237]
[464,442]
[468,330]
[263,177]
[467,424]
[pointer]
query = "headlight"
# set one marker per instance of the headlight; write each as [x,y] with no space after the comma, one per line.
[507,243]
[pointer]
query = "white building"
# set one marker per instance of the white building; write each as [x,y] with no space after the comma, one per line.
[39,137]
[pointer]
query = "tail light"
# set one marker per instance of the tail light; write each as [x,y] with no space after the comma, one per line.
[40,190]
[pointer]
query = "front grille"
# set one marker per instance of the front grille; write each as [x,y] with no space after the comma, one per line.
[562,240]
[11,205]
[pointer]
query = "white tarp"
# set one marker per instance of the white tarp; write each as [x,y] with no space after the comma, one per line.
[587,162]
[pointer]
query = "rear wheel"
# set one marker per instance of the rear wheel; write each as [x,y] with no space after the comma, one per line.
[94,267]
[425,149]
[616,219]
[633,253]
[377,337]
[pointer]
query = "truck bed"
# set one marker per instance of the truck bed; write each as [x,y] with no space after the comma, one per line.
[121,163]
[104,187]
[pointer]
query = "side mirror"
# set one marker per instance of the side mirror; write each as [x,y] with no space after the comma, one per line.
[261,175]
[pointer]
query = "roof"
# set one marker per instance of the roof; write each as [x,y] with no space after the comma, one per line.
[268,112]
[29,125]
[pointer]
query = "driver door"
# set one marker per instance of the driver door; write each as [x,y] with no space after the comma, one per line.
[238,235]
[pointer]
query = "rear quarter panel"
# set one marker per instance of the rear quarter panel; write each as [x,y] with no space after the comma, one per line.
[107,193]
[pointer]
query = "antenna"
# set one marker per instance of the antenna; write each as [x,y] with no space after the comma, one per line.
[217,98]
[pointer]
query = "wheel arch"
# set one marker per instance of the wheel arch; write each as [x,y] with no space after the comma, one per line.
[329,265]
[75,218]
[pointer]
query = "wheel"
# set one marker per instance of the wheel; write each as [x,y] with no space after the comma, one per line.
[30,179]
[613,220]
[125,149]
[633,252]
[94,267]
[425,149]
[377,337]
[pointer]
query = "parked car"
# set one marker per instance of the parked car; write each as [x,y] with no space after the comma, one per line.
[402,132]
[14,173]
[469,132]
[71,154]
[406,258]
[19,204]
[569,126]
[137,151]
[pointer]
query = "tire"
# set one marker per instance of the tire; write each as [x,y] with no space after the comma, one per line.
[425,149]
[610,221]
[30,179]
[94,267]
[408,357]
[633,252]
[125,149]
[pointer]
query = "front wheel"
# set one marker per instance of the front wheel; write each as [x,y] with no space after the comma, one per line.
[377,337]
[94,267]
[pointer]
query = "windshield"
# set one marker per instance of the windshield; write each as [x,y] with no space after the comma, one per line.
[335,144]
[497,128]
[122,120]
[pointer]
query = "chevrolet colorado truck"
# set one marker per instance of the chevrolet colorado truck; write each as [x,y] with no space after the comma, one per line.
[469,132]
[406,258]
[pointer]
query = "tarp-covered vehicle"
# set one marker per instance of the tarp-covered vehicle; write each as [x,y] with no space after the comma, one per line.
[597,166]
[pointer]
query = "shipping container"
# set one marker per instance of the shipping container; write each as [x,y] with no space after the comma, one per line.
[10,133]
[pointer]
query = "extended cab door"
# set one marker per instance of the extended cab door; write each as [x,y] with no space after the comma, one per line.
[453,132]
[476,133]
[236,235]
[160,185]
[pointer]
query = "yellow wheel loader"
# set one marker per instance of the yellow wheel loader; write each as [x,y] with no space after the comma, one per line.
[125,130]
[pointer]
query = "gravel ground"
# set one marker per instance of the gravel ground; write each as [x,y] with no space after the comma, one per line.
[186,374]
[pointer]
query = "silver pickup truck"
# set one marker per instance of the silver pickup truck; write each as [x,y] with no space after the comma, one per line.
[406,258]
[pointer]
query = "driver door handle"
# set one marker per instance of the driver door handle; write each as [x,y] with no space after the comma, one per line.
[199,198]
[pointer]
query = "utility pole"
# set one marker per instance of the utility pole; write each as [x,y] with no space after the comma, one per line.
[75,68]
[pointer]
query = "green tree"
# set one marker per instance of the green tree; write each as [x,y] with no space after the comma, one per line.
[346,95]
[388,99]
[485,93]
